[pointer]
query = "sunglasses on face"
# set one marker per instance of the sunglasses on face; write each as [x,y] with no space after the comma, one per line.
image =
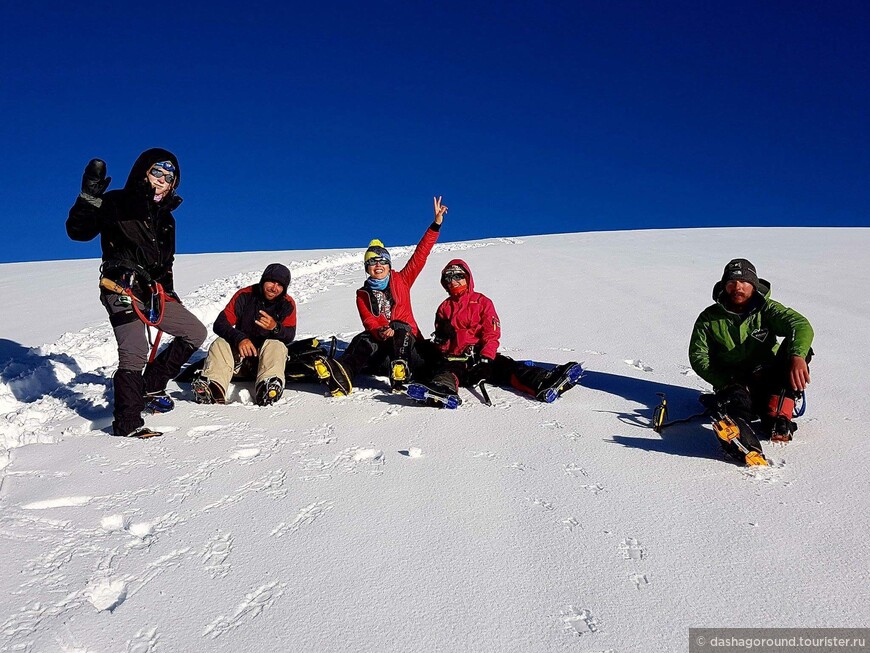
[376,261]
[168,177]
[454,276]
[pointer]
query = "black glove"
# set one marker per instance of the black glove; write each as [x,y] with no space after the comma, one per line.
[477,372]
[94,180]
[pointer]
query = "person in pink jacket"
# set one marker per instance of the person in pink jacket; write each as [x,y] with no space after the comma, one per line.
[467,330]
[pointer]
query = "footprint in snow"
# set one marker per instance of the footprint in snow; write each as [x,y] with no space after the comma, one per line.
[144,641]
[632,549]
[546,505]
[246,454]
[306,516]
[579,621]
[214,557]
[640,580]
[574,470]
[518,466]
[198,431]
[323,434]
[252,606]
[106,594]
[639,365]
[570,523]
[392,411]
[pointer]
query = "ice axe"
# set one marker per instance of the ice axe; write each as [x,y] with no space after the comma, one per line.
[660,415]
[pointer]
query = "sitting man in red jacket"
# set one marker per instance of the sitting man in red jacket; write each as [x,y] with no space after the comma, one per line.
[253,333]
[384,303]
[467,330]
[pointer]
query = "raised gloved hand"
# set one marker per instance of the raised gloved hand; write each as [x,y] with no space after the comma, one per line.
[94,181]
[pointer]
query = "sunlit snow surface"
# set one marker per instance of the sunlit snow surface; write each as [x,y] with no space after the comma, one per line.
[374,523]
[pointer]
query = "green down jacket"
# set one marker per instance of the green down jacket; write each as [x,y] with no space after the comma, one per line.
[727,346]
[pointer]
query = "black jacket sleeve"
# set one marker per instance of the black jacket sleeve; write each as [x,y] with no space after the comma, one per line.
[85,220]
[285,334]
[225,324]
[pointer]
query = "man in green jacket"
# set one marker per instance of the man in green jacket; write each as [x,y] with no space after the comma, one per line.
[735,348]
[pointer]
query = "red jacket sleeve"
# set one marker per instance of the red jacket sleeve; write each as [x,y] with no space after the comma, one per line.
[444,331]
[287,325]
[418,259]
[490,331]
[225,324]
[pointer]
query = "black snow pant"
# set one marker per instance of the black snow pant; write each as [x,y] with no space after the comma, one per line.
[765,394]
[130,383]
[367,354]
[502,371]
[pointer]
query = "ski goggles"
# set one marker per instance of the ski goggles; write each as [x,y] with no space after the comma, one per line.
[164,170]
[453,276]
[377,260]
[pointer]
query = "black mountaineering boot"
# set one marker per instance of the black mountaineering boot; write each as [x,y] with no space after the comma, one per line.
[269,391]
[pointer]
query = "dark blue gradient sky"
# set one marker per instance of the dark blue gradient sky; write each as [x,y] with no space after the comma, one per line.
[313,125]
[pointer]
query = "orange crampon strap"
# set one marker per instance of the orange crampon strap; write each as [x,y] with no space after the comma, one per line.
[728,431]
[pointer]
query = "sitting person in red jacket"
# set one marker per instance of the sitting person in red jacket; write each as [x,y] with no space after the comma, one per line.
[391,333]
[467,330]
[253,333]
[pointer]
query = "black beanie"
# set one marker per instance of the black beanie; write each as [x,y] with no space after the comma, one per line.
[277,273]
[741,270]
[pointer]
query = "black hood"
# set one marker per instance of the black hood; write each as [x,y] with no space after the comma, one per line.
[277,273]
[147,159]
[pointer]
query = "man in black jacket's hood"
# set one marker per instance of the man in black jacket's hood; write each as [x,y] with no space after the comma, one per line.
[278,273]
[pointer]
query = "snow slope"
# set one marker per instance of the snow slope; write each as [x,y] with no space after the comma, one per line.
[372,523]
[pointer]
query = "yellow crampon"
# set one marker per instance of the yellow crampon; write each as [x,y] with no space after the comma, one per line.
[728,431]
[325,373]
[400,371]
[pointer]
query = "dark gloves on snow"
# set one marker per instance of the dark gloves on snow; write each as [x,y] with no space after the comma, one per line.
[95,182]
[478,372]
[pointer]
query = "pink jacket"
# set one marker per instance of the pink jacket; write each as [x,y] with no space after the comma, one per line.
[468,320]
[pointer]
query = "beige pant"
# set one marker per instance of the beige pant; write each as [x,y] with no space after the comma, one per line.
[221,365]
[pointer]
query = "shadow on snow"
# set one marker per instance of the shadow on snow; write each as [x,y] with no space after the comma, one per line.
[691,439]
[30,376]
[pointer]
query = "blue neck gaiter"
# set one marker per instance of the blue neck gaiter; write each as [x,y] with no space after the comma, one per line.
[378,284]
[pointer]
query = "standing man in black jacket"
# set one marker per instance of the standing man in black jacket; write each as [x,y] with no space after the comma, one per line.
[253,333]
[137,235]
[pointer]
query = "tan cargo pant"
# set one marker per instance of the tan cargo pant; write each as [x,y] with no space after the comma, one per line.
[222,364]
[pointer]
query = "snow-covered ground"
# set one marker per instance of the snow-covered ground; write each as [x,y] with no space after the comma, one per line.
[374,524]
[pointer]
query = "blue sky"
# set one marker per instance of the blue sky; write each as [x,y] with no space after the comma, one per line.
[313,125]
